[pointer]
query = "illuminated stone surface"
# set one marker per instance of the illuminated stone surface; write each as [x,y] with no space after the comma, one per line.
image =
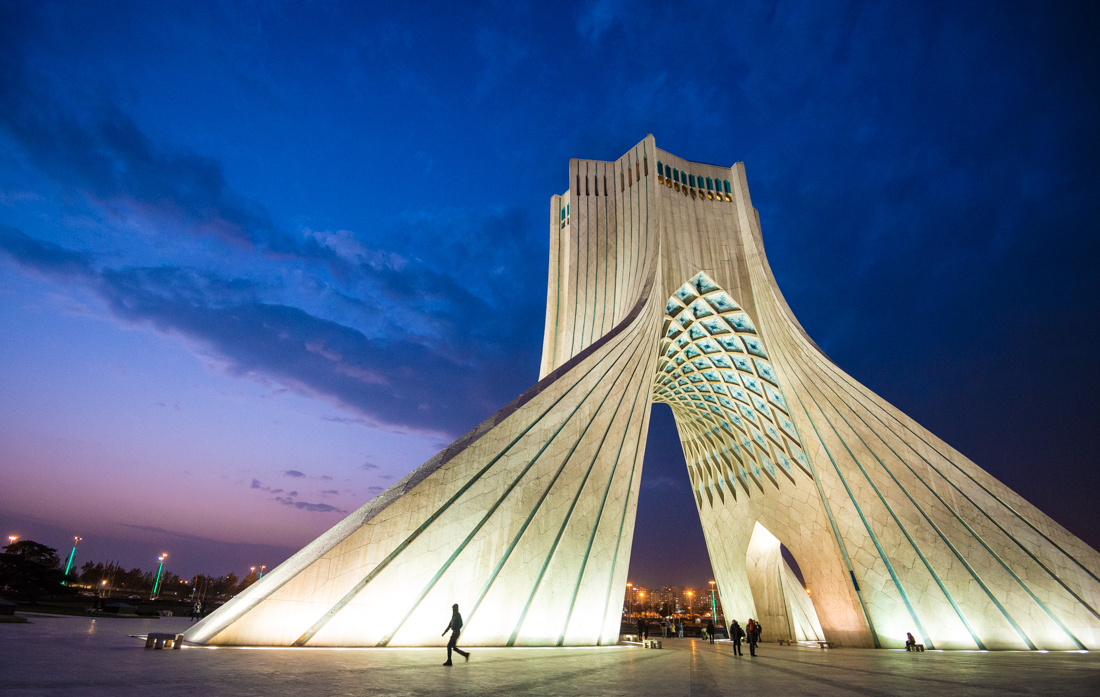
[74,656]
[659,290]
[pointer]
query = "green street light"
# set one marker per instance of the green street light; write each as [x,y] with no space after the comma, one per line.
[72,554]
[160,568]
[713,607]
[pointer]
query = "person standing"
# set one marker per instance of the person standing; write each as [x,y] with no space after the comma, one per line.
[753,637]
[710,630]
[736,634]
[455,628]
[680,627]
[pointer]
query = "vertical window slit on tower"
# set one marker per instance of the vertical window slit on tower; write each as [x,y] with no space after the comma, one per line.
[629,177]
[605,185]
[638,170]
[622,182]
[586,185]
[645,164]
[578,184]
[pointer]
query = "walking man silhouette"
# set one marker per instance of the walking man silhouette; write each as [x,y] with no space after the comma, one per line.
[455,628]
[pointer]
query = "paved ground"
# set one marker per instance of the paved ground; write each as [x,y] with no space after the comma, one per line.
[79,656]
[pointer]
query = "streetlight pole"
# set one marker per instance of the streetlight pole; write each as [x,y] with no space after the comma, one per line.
[156,584]
[690,612]
[69,564]
[713,607]
[630,597]
[262,567]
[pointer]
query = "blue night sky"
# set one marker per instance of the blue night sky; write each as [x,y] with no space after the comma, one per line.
[260,260]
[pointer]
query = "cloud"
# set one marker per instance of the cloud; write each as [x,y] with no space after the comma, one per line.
[325,478]
[294,474]
[375,490]
[386,379]
[312,507]
[103,155]
[330,492]
[368,466]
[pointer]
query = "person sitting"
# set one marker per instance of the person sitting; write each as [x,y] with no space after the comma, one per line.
[910,642]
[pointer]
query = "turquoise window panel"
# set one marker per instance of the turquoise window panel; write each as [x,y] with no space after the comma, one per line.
[691,180]
[748,413]
[702,386]
[675,174]
[731,343]
[686,294]
[784,461]
[689,388]
[701,309]
[759,439]
[692,352]
[770,430]
[751,383]
[682,341]
[718,389]
[703,284]
[682,381]
[760,406]
[673,308]
[695,379]
[739,394]
[764,370]
[721,361]
[741,322]
[671,352]
[680,360]
[768,465]
[726,402]
[687,368]
[742,363]
[722,302]
[787,425]
[727,184]
[710,398]
[701,363]
[714,326]
[696,332]
[730,377]
[709,346]
[712,376]
[775,397]
[753,345]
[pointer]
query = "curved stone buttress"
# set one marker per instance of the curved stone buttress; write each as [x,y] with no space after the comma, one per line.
[659,290]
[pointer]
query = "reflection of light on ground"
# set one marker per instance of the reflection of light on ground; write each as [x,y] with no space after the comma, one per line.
[401,648]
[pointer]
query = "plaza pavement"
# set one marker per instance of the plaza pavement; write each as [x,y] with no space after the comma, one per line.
[77,656]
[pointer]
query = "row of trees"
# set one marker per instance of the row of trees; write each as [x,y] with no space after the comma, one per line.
[34,570]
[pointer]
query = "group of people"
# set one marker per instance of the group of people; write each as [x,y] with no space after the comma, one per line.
[750,633]
[736,633]
[669,629]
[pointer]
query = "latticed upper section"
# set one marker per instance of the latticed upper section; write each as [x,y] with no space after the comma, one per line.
[714,372]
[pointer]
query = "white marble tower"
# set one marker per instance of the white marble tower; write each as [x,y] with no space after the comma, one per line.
[660,291]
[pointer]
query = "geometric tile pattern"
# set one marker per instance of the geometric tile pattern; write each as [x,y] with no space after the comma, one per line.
[659,290]
[714,372]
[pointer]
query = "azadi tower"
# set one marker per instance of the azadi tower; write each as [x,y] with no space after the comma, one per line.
[659,291]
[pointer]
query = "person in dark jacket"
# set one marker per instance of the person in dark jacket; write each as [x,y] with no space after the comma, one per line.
[455,628]
[736,635]
[753,636]
[710,630]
